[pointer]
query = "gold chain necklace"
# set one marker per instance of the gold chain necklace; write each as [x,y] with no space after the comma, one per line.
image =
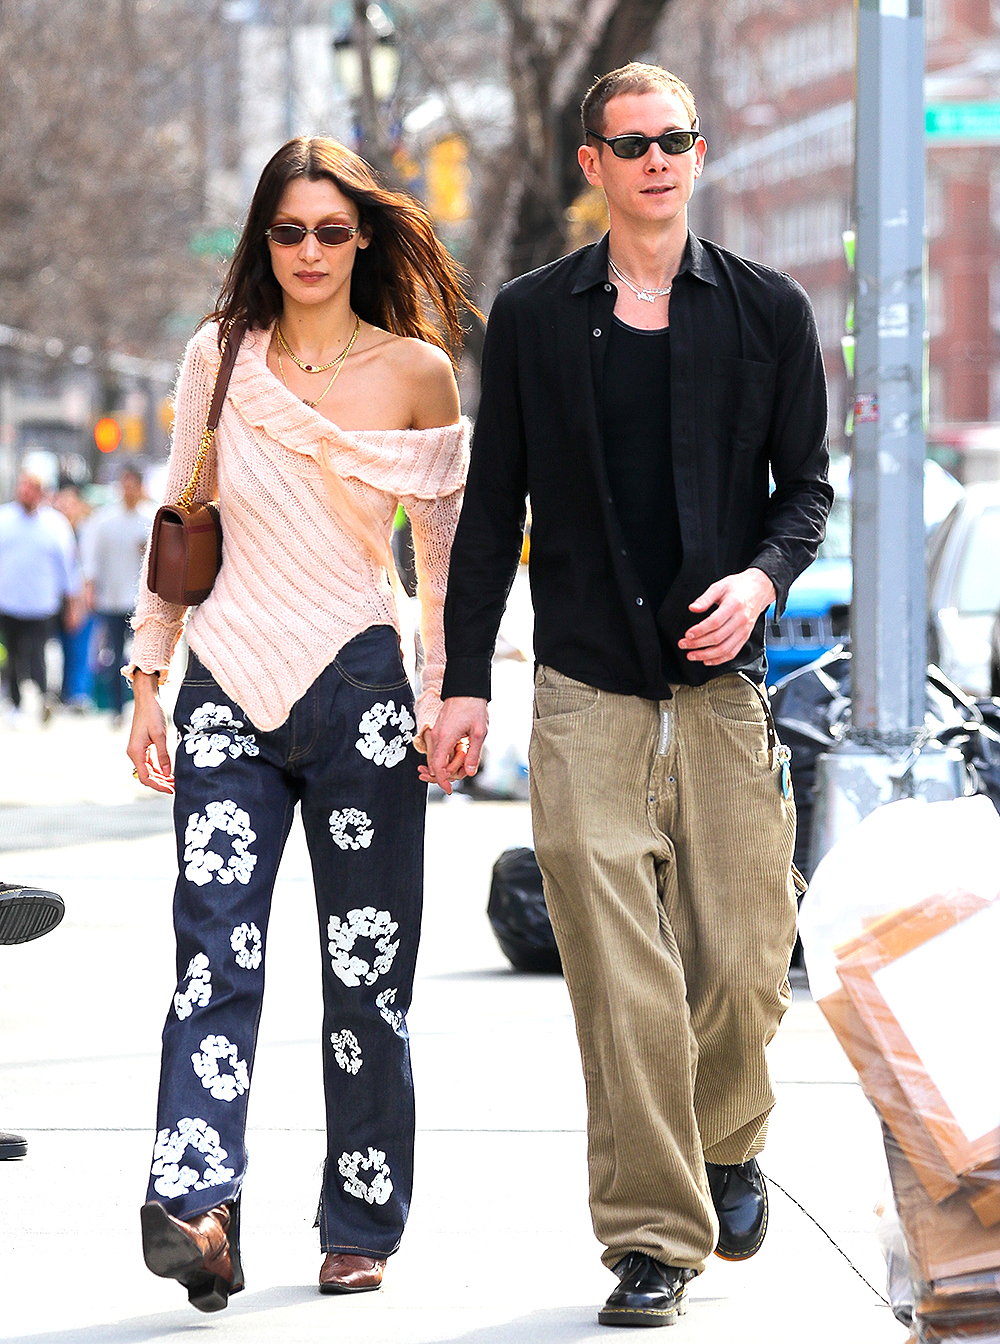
[306,368]
[339,362]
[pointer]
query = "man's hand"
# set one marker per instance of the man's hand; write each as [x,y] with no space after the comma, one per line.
[738,600]
[455,742]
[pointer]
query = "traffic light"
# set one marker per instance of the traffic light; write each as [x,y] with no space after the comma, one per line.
[107,434]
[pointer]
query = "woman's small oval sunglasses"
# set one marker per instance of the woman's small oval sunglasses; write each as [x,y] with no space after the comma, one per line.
[330,235]
[635,146]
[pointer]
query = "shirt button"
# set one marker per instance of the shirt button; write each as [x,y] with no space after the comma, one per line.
[638,601]
[608,289]
[624,551]
[597,331]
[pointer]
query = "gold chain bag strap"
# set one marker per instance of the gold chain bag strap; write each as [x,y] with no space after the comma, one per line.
[185,545]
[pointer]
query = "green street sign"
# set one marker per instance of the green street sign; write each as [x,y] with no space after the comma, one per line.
[215,242]
[962,121]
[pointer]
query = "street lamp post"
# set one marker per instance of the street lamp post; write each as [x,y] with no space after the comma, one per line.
[367,59]
[885,755]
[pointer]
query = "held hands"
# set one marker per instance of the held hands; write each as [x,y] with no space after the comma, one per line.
[455,743]
[147,743]
[738,600]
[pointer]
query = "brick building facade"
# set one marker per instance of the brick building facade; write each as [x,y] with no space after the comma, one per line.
[778,111]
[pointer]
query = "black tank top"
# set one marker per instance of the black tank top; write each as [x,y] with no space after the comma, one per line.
[637,448]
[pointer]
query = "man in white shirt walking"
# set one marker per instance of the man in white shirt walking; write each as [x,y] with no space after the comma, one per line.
[114,543]
[39,571]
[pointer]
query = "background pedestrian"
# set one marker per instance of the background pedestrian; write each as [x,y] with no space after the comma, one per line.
[39,577]
[113,546]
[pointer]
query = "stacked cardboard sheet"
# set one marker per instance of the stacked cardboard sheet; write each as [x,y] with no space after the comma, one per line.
[918,1014]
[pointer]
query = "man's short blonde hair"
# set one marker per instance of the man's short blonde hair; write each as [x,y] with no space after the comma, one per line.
[636,77]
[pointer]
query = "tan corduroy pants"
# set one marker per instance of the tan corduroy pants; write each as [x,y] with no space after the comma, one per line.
[666,845]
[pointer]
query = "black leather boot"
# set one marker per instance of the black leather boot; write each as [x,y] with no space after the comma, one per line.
[649,1293]
[740,1198]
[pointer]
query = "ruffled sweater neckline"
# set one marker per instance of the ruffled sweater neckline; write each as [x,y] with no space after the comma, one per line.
[265,404]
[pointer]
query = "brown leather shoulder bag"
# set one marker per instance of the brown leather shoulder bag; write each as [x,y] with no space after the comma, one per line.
[185,545]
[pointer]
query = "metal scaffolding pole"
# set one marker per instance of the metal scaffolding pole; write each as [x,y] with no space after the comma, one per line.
[885,754]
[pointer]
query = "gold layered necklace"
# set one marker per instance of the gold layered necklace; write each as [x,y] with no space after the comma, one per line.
[335,364]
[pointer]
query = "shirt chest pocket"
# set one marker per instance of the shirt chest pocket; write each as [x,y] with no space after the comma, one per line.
[742,399]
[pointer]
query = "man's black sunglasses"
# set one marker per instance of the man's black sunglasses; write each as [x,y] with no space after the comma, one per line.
[635,146]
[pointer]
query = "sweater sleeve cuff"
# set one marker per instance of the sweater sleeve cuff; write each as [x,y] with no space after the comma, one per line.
[427,707]
[467,676]
[153,648]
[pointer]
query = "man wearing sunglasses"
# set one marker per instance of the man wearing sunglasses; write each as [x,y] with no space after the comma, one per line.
[641,390]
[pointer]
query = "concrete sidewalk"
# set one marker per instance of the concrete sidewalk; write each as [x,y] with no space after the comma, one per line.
[499,1245]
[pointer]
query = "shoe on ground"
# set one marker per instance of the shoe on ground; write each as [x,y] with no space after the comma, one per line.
[350,1273]
[648,1293]
[740,1198]
[27,912]
[12,1146]
[202,1254]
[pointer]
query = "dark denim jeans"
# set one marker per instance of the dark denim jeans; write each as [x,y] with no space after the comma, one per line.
[345,754]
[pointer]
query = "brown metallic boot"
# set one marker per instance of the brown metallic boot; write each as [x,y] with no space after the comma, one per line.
[202,1254]
[350,1274]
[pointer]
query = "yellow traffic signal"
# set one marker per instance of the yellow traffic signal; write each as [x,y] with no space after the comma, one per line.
[448,180]
[107,434]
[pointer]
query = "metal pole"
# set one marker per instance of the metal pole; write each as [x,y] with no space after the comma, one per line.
[885,755]
[889,609]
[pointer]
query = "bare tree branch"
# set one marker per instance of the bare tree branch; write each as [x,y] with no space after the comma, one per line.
[586,36]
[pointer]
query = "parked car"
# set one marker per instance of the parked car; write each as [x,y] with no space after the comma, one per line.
[963,589]
[817,614]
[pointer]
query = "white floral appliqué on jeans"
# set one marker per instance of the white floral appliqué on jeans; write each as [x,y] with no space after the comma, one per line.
[210,748]
[170,1149]
[203,863]
[346,1050]
[377,925]
[351,828]
[391,1015]
[223,1086]
[381,750]
[245,940]
[378,1189]
[199,987]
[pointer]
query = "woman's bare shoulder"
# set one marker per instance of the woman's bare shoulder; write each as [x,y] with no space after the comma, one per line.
[427,373]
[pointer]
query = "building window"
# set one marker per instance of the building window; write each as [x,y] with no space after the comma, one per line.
[938,412]
[935,205]
[810,52]
[830,308]
[806,233]
[837,394]
[995,392]
[935,19]
[995,198]
[995,296]
[937,315]
[820,142]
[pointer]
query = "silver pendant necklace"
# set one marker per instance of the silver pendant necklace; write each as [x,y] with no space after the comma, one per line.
[647,295]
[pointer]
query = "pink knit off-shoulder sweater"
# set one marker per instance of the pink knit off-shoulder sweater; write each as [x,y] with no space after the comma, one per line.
[296,584]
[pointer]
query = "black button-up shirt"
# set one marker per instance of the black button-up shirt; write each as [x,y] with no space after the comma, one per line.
[747,396]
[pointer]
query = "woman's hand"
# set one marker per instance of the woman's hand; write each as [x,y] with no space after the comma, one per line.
[147,743]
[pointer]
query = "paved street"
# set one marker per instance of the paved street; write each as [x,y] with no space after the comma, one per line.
[499,1246]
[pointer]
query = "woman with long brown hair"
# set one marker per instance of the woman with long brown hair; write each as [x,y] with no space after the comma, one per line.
[342,404]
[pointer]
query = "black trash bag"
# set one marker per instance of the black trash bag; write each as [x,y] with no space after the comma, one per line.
[518,916]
